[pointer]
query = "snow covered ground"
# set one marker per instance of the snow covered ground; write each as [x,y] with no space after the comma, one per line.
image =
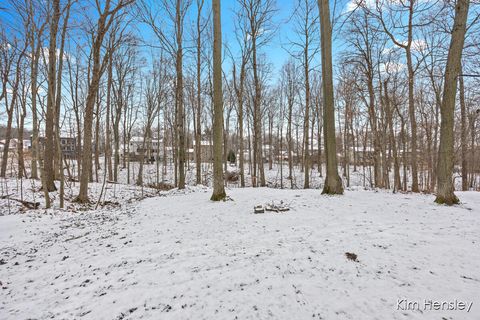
[179,256]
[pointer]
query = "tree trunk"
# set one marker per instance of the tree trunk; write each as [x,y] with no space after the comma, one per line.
[9,110]
[89,112]
[463,134]
[97,139]
[396,166]
[333,183]
[218,184]
[319,136]
[290,140]
[373,124]
[445,187]
[306,154]
[198,129]
[34,91]
[240,123]
[108,148]
[49,150]
[179,97]
[22,112]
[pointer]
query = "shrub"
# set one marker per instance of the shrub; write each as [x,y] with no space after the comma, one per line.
[231,157]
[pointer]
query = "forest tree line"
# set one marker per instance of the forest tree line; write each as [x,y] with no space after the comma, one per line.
[400,98]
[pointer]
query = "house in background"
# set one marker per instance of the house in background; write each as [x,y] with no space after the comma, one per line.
[68,146]
[153,150]
[14,144]
[27,145]
[153,147]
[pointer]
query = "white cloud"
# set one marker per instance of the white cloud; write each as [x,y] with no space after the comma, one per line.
[392,67]
[354,4]
[418,45]
[46,53]
[5,45]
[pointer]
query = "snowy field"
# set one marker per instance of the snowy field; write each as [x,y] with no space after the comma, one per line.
[177,255]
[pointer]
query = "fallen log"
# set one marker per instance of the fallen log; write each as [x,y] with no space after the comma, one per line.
[28,204]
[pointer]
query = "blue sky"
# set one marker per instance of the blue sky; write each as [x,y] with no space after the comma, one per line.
[274,51]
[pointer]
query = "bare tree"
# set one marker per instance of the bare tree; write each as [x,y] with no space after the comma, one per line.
[199,31]
[445,187]
[36,26]
[401,19]
[153,97]
[290,87]
[259,16]
[367,44]
[107,15]
[176,11]
[12,54]
[124,65]
[306,28]
[21,115]
[218,184]
[49,147]
[239,77]
[333,183]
